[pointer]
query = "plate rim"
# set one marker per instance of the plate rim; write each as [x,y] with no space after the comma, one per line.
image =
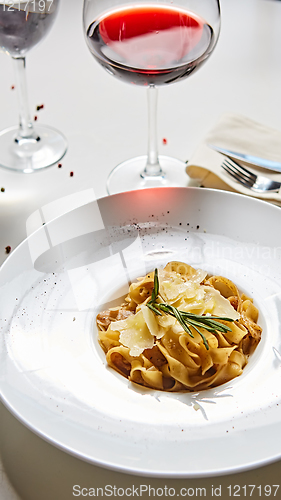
[124,469]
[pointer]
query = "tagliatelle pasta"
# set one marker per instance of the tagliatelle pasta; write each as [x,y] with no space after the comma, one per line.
[180,330]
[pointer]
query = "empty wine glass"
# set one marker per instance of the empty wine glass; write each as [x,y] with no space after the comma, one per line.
[150,43]
[25,148]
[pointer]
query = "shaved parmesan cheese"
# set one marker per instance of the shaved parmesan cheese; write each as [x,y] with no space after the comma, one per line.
[173,287]
[166,321]
[198,276]
[134,333]
[152,324]
[138,331]
[220,305]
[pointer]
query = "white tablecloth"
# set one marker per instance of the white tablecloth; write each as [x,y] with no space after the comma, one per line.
[105,122]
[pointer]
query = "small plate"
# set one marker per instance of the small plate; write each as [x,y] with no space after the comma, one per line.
[53,373]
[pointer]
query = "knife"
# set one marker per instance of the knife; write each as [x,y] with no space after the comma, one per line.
[254,160]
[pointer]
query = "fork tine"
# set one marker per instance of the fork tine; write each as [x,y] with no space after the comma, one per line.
[237,175]
[230,171]
[236,166]
[257,183]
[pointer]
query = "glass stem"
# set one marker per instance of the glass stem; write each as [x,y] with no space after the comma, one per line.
[152,167]
[26,130]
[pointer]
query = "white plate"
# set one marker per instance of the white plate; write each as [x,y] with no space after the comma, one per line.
[53,375]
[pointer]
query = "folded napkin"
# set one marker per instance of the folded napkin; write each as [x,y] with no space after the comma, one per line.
[236,133]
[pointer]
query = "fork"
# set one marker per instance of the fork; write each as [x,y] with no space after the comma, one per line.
[248,179]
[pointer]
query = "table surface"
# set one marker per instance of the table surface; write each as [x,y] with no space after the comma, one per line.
[105,122]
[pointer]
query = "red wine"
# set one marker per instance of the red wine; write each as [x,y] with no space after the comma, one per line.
[150,44]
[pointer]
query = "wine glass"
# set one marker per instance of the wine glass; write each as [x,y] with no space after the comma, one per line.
[25,148]
[150,43]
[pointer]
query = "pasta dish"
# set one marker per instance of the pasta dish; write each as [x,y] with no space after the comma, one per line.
[180,329]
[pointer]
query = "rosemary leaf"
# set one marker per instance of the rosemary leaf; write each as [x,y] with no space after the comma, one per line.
[187,319]
[151,306]
[203,337]
[219,327]
[155,290]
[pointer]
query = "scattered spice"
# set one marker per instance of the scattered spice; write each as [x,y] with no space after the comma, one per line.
[41,106]
[71,174]
[2,190]
[8,249]
[164,141]
[59,165]
[12,87]
[35,118]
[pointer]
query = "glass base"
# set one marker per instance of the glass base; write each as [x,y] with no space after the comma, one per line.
[46,147]
[129,175]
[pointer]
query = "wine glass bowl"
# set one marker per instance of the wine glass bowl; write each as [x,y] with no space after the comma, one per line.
[150,44]
[25,148]
[23,28]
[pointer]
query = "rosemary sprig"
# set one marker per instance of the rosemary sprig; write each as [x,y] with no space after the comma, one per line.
[187,319]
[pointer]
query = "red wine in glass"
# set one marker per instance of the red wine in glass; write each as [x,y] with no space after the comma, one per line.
[150,44]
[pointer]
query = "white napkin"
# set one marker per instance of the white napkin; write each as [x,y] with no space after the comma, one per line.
[236,133]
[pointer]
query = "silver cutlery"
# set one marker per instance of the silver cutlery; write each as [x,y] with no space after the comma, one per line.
[248,179]
[253,160]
